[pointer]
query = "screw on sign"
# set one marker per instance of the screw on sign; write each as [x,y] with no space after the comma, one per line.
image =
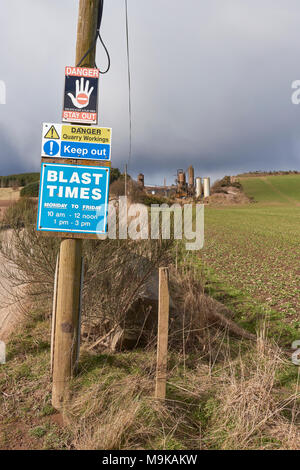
[81,95]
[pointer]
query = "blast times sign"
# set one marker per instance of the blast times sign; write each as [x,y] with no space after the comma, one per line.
[73,198]
[67,141]
[81,95]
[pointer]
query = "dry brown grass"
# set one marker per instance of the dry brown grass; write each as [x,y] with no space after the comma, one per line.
[124,415]
[234,404]
[199,323]
[108,414]
[251,412]
[11,194]
[235,400]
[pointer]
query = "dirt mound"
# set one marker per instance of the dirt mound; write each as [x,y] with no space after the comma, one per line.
[228,196]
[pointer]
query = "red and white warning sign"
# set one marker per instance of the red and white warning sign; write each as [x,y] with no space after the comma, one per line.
[81,95]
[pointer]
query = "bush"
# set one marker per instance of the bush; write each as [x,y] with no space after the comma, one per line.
[117,188]
[149,199]
[21,179]
[33,258]
[111,281]
[220,185]
[116,272]
[31,190]
[114,174]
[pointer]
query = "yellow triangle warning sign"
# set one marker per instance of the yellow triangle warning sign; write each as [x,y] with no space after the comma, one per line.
[52,133]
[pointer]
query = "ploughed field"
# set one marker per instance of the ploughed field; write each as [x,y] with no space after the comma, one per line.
[255,248]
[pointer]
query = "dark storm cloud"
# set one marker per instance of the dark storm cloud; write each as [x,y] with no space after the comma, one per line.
[211,82]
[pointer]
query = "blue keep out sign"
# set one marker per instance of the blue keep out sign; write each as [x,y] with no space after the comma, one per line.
[83,150]
[73,198]
[77,150]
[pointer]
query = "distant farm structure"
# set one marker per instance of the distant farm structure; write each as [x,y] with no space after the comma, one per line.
[186,186]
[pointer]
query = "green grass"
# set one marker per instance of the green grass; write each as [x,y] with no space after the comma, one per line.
[25,383]
[283,189]
[255,250]
[251,255]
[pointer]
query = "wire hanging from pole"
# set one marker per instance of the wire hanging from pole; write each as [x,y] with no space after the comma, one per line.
[129,83]
[98,35]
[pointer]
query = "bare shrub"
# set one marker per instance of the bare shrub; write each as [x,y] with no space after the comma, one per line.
[134,193]
[117,188]
[115,270]
[30,262]
[115,276]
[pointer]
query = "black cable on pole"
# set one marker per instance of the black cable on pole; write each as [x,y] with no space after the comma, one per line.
[107,55]
[100,14]
[98,35]
[129,83]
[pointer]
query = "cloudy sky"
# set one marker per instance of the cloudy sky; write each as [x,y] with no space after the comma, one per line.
[211,83]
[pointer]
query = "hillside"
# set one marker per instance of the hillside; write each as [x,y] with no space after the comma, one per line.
[281,189]
[20,179]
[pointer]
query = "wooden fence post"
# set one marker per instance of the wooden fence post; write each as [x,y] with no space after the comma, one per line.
[162,334]
[53,323]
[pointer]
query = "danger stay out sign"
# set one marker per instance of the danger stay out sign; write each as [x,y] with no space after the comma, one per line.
[81,95]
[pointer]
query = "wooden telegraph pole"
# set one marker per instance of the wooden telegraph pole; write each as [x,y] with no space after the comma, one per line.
[69,272]
[125,190]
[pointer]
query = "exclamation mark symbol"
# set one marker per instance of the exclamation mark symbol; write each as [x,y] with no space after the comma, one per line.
[52,132]
[51,147]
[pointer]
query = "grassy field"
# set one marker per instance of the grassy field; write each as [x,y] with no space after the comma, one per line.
[252,252]
[225,392]
[283,189]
